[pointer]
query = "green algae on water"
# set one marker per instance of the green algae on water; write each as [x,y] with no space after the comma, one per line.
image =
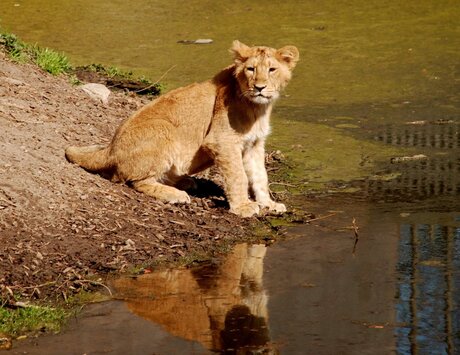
[318,154]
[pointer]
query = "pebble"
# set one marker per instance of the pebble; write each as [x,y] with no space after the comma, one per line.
[97,92]
[408,158]
[196,41]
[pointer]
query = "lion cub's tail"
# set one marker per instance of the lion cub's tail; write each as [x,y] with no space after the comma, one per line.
[93,158]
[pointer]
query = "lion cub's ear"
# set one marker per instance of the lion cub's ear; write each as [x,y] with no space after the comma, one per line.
[288,55]
[240,51]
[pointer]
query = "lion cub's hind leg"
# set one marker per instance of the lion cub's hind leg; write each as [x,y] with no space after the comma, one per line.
[161,191]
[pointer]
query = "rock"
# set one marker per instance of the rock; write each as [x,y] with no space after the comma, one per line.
[196,41]
[408,158]
[97,92]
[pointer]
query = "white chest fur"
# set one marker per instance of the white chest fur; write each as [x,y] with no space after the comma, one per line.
[260,129]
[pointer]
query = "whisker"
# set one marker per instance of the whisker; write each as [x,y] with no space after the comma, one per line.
[245,93]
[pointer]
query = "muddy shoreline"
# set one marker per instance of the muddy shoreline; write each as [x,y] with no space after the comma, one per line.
[63,229]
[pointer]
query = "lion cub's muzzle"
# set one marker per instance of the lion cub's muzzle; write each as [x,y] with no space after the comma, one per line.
[261,95]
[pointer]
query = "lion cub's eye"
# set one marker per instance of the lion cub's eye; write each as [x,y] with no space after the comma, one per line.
[271,70]
[251,69]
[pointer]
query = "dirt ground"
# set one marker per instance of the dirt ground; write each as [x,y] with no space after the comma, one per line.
[60,226]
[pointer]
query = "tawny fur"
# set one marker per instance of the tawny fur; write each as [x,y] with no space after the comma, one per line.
[223,121]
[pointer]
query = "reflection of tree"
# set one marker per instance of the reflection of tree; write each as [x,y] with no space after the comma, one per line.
[428,308]
[441,134]
[222,306]
[435,176]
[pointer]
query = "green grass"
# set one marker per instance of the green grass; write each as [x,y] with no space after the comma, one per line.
[50,61]
[32,319]
[108,71]
[15,48]
[57,63]
[53,62]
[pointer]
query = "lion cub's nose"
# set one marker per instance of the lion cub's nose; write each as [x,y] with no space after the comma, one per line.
[259,88]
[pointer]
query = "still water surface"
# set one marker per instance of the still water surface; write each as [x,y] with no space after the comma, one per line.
[377,79]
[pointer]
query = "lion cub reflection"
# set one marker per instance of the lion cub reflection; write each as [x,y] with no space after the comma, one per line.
[221,305]
[223,121]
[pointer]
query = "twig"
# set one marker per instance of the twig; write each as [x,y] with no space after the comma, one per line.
[322,217]
[11,203]
[35,286]
[355,230]
[282,184]
[156,82]
[95,283]
[17,120]
[278,183]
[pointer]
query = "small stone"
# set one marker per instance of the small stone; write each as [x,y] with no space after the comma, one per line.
[97,92]
[196,41]
[408,158]
[203,41]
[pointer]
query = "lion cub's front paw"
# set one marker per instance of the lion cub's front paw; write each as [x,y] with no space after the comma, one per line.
[247,209]
[175,196]
[276,207]
[181,197]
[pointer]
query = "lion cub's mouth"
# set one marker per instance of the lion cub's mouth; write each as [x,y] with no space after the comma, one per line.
[263,96]
[261,99]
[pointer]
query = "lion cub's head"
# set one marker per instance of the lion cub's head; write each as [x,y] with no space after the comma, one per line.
[262,71]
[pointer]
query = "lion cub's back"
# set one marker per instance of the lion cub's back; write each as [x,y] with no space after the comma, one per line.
[186,106]
[182,115]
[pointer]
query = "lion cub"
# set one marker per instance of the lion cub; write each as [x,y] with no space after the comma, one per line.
[223,121]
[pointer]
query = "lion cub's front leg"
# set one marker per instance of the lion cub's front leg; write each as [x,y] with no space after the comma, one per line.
[254,165]
[230,163]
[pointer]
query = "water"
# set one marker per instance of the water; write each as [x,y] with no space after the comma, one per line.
[428,290]
[397,293]
[376,80]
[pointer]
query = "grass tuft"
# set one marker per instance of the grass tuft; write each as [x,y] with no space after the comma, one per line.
[31,319]
[15,48]
[57,63]
[51,61]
